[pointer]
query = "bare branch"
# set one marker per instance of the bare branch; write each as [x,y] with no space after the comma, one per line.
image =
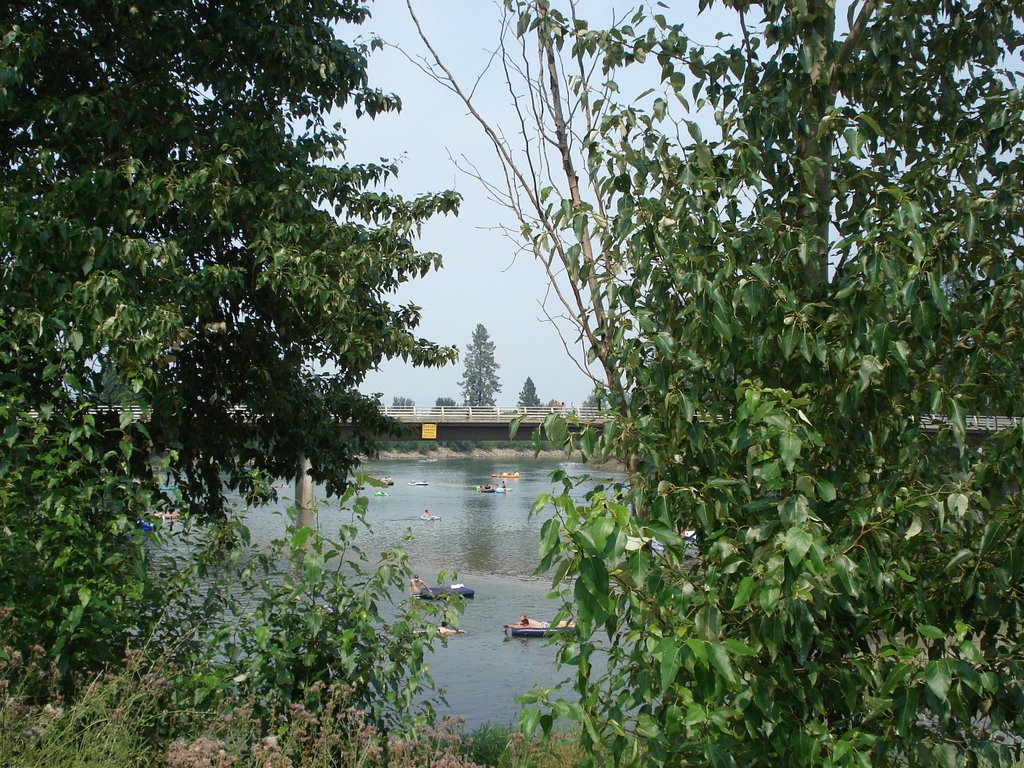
[546,119]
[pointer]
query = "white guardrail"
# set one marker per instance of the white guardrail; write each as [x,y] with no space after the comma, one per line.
[487,414]
[931,421]
[464,414]
[498,414]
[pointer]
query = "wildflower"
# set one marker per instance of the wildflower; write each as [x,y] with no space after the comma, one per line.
[201,753]
[266,753]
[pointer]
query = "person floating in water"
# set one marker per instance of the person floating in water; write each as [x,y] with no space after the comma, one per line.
[445,629]
[526,621]
[417,585]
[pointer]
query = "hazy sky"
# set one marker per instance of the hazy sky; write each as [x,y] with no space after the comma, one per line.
[484,279]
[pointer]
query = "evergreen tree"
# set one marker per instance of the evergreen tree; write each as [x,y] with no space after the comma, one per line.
[528,397]
[480,379]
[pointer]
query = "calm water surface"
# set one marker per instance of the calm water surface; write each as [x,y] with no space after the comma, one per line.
[491,541]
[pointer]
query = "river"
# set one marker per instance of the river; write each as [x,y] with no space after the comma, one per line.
[491,541]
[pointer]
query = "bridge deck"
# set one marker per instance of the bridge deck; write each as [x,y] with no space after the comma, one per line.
[493,422]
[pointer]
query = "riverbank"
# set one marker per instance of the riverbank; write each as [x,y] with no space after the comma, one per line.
[504,453]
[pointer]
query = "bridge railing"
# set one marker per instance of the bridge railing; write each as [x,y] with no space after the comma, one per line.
[487,413]
[973,423]
[458,413]
[497,414]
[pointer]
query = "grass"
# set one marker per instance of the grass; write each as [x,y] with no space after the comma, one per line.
[103,727]
[121,719]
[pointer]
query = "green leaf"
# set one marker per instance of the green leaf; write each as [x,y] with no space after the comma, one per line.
[960,557]
[720,660]
[695,715]
[944,755]
[869,121]
[796,544]
[600,530]
[958,420]
[789,449]
[314,621]
[522,25]
[262,634]
[529,718]
[595,576]
[906,706]
[992,535]
[939,298]
[826,490]
[937,677]
[668,652]
[300,536]
[313,566]
[549,540]
[971,652]
[699,649]
[738,648]
[743,592]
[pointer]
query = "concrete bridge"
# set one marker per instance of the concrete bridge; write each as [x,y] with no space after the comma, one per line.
[493,422]
[445,423]
[481,423]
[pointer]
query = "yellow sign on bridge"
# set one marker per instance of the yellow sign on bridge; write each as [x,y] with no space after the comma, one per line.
[428,432]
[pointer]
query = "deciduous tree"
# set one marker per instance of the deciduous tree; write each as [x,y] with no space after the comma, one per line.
[180,234]
[765,251]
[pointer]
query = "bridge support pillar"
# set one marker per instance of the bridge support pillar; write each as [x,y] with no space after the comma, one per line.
[304,491]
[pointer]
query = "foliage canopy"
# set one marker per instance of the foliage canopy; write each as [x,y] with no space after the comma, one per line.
[177,217]
[779,311]
[180,235]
